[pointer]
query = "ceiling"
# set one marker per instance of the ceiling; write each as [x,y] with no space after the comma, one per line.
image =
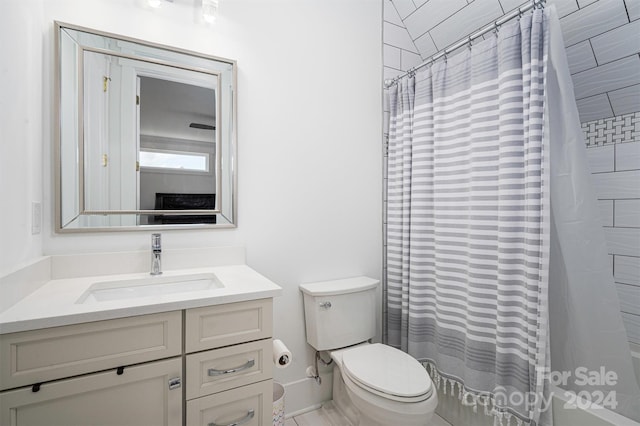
[167,108]
[602,39]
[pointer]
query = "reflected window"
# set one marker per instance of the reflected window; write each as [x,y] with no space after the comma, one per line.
[175,160]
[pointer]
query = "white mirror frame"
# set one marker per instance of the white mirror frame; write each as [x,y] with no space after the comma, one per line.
[226,203]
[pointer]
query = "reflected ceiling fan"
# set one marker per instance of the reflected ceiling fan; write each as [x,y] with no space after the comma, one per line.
[202,126]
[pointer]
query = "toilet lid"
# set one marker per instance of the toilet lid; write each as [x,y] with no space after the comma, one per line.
[387,370]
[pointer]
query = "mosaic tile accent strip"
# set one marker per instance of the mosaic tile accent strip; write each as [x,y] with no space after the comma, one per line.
[608,131]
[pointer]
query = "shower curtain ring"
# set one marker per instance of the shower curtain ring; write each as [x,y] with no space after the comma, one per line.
[469,42]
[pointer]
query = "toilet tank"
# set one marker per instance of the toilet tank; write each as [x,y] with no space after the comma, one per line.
[340,313]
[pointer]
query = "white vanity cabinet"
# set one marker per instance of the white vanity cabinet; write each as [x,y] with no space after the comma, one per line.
[114,372]
[143,370]
[229,364]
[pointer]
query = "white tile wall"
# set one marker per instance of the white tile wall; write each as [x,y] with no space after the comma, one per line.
[509,5]
[399,37]
[613,152]
[627,269]
[399,50]
[404,7]
[409,59]
[594,107]
[625,100]
[629,299]
[601,159]
[633,8]
[469,19]
[390,14]
[621,73]
[632,323]
[425,45]
[597,33]
[628,157]
[624,241]
[627,213]
[592,20]
[617,185]
[564,7]
[580,57]
[606,212]
[432,14]
[392,56]
[617,43]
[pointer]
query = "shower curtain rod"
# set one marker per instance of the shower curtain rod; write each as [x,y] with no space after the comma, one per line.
[467,40]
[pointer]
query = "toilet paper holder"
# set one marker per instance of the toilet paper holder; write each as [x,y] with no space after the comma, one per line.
[281,354]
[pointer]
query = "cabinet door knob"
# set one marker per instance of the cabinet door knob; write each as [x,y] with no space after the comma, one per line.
[243,420]
[247,365]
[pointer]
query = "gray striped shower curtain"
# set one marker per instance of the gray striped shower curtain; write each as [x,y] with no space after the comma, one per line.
[468,221]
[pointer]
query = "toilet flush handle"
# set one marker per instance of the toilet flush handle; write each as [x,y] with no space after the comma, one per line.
[324,305]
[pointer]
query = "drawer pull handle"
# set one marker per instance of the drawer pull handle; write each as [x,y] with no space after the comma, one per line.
[243,420]
[214,372]
[175,383]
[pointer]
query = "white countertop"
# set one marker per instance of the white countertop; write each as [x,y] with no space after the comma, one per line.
[55,302]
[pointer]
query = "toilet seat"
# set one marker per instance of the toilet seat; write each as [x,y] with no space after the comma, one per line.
[387,372]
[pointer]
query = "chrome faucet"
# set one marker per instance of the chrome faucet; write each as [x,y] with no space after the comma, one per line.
[156,254]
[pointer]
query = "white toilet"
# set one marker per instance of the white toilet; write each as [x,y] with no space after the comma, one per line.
[373,384]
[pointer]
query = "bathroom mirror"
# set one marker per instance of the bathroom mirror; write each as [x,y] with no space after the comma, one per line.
[146,135]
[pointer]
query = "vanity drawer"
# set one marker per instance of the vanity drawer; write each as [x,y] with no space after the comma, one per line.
[41,355]
[227,368]
[248,406]
[223,325]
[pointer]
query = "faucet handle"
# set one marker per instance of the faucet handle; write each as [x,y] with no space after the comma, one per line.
[156,242]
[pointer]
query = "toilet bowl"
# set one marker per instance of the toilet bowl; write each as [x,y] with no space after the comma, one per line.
[385,386]
[374,384]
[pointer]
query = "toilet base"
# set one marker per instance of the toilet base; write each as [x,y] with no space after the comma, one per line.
[343,402]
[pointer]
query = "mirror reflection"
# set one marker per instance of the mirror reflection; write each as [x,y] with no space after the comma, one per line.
[147,135]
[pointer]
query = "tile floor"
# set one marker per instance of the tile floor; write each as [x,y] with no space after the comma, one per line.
[329,416]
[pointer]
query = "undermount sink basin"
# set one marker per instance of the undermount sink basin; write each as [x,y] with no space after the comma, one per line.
[105,291]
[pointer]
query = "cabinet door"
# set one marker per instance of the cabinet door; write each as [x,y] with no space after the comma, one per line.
[139,396]
[250,405]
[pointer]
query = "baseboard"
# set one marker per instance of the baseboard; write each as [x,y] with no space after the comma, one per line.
[305,395]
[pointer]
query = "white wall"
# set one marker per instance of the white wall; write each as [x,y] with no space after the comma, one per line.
[310,163]
[21,112]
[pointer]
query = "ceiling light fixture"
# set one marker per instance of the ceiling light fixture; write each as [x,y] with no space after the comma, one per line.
[154,3]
